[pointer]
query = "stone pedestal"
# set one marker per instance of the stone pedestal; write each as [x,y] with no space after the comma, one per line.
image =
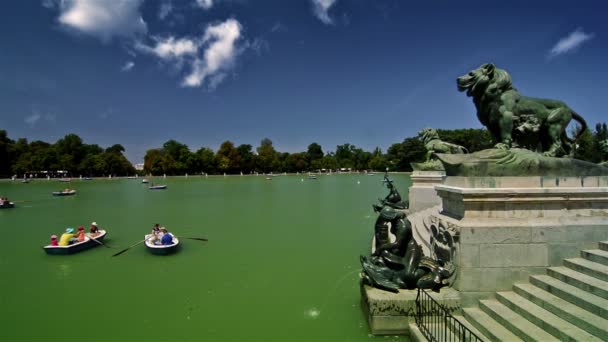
[391,313]
[422,193]
[508,228]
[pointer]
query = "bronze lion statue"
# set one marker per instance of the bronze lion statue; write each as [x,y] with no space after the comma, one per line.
[519,121]
[434,144]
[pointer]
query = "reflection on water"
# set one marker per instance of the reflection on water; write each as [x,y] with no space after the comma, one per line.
[313,313]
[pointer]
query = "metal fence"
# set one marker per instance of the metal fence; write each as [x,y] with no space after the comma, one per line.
[437,324]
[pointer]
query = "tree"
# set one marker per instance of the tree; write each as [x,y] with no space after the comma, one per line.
[206,157]
[411,150]
[473,139]
[267,155]
[314,152]
[247,158]
[227,158]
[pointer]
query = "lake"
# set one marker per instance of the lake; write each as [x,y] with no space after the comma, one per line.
[281,264]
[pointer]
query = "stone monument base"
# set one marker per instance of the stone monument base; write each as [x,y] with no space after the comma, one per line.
[391,313]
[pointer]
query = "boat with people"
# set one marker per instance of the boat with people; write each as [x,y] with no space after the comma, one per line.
[89,242]
[160,249]
[6,204]
[66,192]
[157,187]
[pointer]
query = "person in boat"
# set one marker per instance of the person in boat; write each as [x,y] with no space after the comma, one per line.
[154,236]
[80,234]
[68,237]
[94,229]
[167,238]
[54,240]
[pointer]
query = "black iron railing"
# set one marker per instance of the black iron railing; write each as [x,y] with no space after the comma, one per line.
[437,324]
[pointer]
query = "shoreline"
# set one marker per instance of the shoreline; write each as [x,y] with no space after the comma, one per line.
[200,176]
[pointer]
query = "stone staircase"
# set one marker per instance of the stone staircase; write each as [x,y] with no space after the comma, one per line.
[569,303]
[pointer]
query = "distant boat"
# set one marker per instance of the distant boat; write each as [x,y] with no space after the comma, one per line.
[268,178]
[161,249]
[131,177]
[371,174]
[87,178]
[25,180]
[157,187]
[6,205]
[312,176]
[145,181]
[64,193]
[65,179]
[76,247]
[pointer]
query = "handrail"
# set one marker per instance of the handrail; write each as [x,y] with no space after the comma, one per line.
[437,324]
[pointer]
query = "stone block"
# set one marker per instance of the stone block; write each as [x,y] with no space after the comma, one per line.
[468,255]
[488,279]
[513,255]
[495,235]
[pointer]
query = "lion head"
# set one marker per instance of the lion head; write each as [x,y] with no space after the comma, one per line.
[487,80]
[428,134]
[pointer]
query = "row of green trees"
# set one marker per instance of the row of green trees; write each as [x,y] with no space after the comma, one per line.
[175,158]
[68,154]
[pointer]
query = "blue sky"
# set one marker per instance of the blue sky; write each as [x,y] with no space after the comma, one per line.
[370,73]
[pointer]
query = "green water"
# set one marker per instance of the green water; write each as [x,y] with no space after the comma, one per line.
[280,265]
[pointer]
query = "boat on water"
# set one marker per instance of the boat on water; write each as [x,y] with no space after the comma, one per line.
[145,181]
[157,187]
[161,249]
[312,176]
[268,178]
[371,174]
[78,246]
[87,178]
[64,193]
[65,180]
[6,205]
[131,177]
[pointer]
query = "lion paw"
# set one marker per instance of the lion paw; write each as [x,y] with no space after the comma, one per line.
[501,146]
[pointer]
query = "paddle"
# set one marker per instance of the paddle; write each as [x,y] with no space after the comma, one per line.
[193,238]
[126,249]
[99,242]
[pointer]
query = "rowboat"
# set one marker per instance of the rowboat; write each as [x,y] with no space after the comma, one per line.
[78,246]
[64,193]
[65,180]
[145,181]
[312,176]
[157,187]
[161,249]
[7,205]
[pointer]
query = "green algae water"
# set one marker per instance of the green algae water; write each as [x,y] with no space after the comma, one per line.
[281,263]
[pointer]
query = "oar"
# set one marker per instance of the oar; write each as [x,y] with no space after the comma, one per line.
[126,249]
[99,242]
[193,238]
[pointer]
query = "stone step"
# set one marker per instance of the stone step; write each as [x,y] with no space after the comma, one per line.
[544,319]
[587,267]
[596,255]
[461,336]
[517,324]
[580,280]
[580,317]
[439,331]
[604,245]
[487,326]
[574,295]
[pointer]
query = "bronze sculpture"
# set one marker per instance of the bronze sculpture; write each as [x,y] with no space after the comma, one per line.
[519,121]
[400,264]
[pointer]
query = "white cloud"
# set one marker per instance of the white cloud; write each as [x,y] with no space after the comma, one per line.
[208,57]
[569,43]
[219,54]
[205,4]
[170,47]
[103,18]
[165,8]
[36,116]
[32,119]
[128,66]
[321,9]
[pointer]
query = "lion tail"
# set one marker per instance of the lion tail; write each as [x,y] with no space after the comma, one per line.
[583,123]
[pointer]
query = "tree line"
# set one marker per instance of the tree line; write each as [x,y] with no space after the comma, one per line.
[66,154]
[175,158]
